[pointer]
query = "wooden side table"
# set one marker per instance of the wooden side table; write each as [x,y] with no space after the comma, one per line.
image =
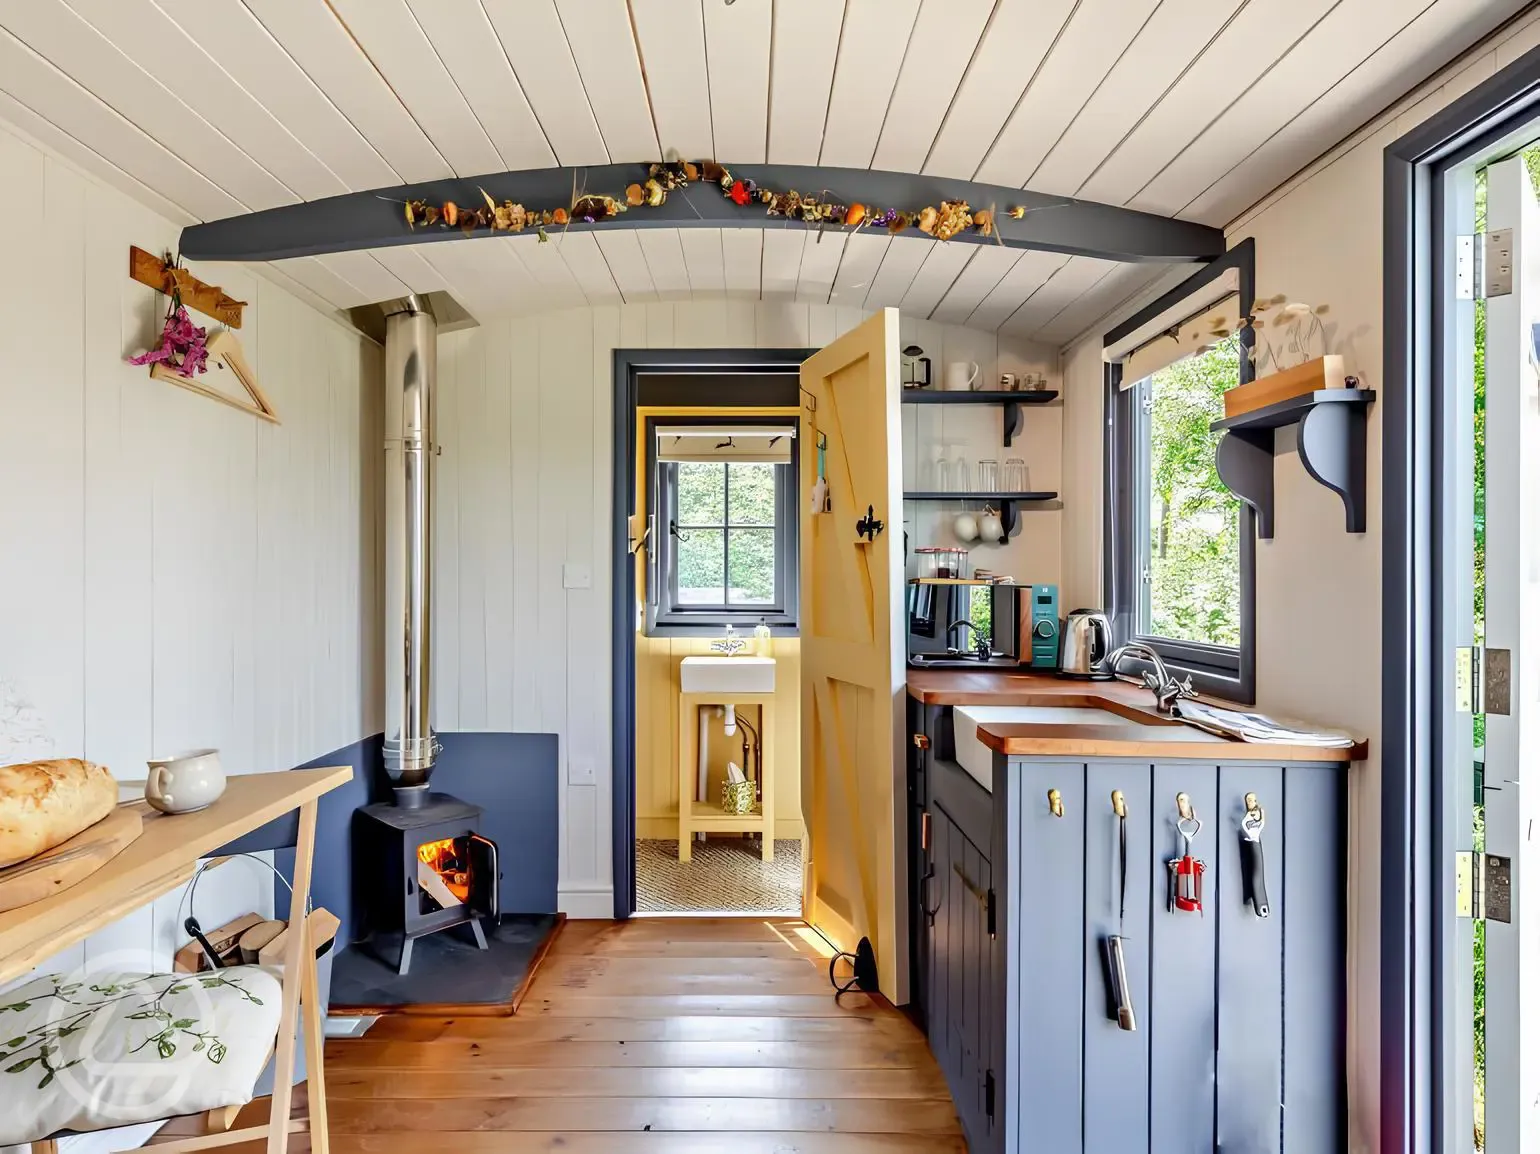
[708,816]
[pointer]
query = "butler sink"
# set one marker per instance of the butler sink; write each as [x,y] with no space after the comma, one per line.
[724,675]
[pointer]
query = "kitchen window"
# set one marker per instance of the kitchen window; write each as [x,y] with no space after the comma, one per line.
[1180,549]
[726,525]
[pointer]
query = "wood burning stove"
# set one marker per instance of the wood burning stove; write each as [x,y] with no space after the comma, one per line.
[425,868]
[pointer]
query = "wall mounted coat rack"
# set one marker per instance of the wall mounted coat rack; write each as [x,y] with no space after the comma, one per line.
[162,274]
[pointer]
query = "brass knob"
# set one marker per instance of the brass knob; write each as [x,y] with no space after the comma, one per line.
[1119,805]
[921,741]
[1055,803]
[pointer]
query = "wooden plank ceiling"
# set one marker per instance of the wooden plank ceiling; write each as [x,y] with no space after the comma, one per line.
[205,109]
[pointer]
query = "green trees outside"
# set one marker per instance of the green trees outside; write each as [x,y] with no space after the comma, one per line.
[1194,520]
[727,514]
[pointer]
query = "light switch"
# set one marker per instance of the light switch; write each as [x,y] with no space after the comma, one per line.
[577,577]
[580,773]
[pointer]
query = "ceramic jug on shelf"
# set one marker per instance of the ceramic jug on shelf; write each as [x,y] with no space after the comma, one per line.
[960,376]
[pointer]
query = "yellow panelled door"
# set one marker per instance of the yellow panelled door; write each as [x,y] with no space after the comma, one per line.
[853,648]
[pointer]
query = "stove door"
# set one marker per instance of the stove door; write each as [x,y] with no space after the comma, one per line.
[486,881]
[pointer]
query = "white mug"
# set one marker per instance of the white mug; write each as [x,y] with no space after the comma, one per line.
[960,376]
[185,783]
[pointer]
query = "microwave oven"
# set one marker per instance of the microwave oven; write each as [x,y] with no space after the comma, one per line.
[936,611]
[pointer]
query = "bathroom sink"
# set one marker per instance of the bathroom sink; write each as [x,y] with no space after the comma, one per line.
[978,759]
[727,675]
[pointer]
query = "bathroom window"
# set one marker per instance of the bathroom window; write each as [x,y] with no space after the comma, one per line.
[726,528]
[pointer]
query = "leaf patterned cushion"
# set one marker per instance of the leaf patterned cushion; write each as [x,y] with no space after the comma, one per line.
[88,1052]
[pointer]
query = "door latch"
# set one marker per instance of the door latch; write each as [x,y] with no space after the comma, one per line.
[869,526]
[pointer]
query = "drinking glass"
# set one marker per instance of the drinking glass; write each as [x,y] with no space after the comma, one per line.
[1013,475]
[989,476]
[941,470]
[962,472]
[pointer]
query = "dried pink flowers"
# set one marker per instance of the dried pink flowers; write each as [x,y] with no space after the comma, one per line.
[183,346]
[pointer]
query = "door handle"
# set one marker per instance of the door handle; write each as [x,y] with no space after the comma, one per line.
[869,526]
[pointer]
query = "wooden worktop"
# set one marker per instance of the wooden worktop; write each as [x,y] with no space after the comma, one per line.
[1018,739]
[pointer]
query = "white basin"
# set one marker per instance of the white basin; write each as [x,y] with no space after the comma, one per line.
[978,759]
[727,675]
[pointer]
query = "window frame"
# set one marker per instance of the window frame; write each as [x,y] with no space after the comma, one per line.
[1223,671]
[665,615]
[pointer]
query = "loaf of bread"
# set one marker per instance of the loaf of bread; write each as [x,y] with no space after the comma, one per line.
[43,803]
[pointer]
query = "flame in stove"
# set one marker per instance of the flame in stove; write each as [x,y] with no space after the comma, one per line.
[447,859]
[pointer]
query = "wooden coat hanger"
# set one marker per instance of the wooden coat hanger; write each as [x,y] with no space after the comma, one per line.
[225,352]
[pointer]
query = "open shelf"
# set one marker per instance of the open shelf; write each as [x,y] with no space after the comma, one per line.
[1332,433]
[979,396]
[1010,403]
[1006,502]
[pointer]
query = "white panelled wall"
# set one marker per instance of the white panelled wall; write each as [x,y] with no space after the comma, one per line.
[522,641]
[176,574]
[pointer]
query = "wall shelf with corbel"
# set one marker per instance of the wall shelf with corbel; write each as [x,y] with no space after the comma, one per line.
[1332,447]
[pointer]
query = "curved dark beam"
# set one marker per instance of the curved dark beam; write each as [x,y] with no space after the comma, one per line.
[375,219]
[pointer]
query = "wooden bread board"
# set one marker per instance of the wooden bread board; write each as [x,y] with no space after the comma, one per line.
[72,861]
[1322,373]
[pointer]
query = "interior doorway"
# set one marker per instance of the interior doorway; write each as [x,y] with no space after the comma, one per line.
[708,443]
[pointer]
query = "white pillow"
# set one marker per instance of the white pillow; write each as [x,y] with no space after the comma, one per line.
[90,1052]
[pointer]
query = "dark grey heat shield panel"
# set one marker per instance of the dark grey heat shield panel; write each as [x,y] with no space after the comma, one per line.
[1182,1012]
[1117,1062]
[1049,913]
[1309,893]
[1250,1076]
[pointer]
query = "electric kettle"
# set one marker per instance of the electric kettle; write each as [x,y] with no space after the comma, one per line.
[1085,645]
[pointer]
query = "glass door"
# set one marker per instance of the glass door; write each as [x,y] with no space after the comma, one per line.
[1506,938]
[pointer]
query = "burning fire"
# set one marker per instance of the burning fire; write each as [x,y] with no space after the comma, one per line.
[444,858]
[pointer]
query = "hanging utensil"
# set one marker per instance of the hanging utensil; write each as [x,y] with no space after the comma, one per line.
[1120,998]
[1185,873]
[1253,875]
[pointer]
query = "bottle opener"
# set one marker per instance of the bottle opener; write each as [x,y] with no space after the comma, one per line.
[1253,877]
[1185,873]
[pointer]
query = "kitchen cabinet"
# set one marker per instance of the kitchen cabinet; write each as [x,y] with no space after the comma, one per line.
[1240,1035]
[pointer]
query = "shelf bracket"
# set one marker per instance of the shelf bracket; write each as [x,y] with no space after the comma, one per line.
[1007,520]
[1011,419]
[1245,463]
[1331,447]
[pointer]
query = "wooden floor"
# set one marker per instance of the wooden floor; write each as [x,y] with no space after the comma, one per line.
[680,1035]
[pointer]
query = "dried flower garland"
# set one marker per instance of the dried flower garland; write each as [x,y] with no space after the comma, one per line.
[950,219]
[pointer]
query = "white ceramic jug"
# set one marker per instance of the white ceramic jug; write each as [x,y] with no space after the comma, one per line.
[185,783]
[960,376]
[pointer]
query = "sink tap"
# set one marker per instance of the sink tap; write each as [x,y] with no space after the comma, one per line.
[730,644]
[981,644]
[1166,688]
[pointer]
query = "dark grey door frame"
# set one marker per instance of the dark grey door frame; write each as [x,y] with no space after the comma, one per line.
[1417,828]
[679,365]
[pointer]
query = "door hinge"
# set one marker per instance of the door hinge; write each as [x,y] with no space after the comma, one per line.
[989,912]
[989,1094]
[925,830]
[1483,887]
[1497,263]
[1466,274]
[1483,680]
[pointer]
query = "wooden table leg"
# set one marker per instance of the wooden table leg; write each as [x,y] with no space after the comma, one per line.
[688,729]
[313,1015]
[293,978]
[767,778]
